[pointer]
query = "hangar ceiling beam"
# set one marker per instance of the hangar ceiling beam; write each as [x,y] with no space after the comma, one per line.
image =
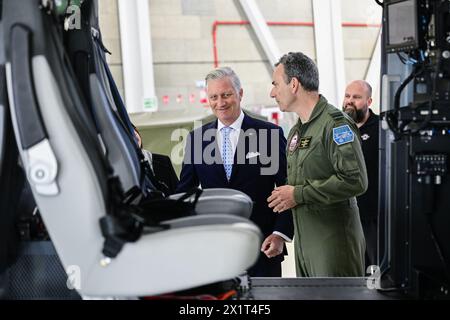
[329,49]
[262,31]
[373,74]
[137,58]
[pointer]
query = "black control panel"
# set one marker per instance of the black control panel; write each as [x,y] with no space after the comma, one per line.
[431,164]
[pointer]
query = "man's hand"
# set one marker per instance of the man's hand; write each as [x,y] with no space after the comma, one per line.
[273,246]
[282,198]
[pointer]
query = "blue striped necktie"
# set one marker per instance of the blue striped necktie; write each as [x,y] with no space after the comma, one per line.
[227,151]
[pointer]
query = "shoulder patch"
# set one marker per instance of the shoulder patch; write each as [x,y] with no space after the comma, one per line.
[343,135]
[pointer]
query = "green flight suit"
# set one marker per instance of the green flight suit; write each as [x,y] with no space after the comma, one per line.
[327,169]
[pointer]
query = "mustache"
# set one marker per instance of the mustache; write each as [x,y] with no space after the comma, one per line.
[349,105]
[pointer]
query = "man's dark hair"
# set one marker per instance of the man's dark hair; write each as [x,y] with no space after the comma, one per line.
[297,65]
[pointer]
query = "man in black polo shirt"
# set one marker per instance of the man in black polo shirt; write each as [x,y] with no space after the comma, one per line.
[357,100]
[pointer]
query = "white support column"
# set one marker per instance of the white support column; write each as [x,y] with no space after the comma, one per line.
[373,75]
[137,58]
[262,31]
[329,49]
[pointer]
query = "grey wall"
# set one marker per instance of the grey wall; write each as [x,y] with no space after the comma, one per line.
[109,25]
[182,43]
[182,51]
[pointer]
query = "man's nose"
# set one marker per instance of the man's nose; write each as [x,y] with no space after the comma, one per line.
[221,101]
[272,93]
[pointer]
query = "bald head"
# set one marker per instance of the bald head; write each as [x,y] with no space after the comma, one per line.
[357,99]
[364,85]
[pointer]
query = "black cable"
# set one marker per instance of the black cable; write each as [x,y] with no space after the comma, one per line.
[379,2]
[402,59]
[426,121]
[392,123]
[391,116]
[398,93]
[390,288]
[433,83]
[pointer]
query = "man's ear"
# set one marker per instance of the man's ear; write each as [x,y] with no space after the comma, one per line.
[241,94]
[294,84]
[369,101]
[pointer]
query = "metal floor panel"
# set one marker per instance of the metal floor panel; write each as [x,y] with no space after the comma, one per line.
[36,275]
[313,289]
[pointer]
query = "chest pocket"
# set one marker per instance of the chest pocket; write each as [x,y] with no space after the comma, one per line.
[247,156]
[314,162]
[252,166]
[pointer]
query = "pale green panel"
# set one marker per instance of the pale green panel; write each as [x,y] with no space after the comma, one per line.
[167,140]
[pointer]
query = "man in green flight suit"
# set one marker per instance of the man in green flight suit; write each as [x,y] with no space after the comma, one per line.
[326,170]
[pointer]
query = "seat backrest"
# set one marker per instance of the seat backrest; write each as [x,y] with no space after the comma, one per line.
[73,183]
[54,134]
[11,178]
[88,60]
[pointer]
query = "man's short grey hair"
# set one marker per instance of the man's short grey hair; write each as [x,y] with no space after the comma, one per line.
[224,72]
[299,66]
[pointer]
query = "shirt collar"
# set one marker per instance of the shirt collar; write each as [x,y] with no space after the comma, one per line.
[318,108]
[371,120]
[236,125]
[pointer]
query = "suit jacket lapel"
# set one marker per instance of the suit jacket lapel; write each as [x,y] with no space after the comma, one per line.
[242,143]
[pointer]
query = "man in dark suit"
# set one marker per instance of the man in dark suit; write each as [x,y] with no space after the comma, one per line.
[241,153]
[163,174]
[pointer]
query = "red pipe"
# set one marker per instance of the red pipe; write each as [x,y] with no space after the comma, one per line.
[362,25]
[276,23]
[287,23]
[214,36]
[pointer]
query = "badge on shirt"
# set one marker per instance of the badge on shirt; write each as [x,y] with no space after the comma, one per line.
[304,143]
[293,142]
[343,135]
[365,137]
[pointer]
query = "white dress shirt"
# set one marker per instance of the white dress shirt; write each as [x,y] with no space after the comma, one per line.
[234,134]
[234,139]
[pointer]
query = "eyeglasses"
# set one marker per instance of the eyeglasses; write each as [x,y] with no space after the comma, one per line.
[224,96]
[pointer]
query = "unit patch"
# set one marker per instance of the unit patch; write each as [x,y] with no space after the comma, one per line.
[304,143]
[293,142]
[343,135]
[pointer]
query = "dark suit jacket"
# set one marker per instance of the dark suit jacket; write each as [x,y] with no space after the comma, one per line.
[164,171]
[245,176]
